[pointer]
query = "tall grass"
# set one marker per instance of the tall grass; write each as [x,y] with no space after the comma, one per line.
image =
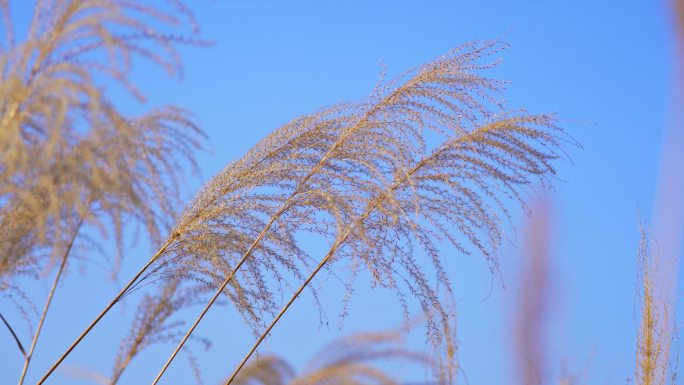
[656,327]
[71,158]
[431,157]
[352,360]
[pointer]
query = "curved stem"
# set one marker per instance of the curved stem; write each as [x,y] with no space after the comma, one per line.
[299,291]
[65,257]
[243,259]
[106,309]
[280,314]
[130,284]
[16,339]
[335,247]
[215,297]
[324,159]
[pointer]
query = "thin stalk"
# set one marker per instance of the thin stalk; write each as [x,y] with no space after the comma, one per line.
[106,309]
[299,291]
[213,299]
[16,339]
[348,232]
[244,259]
[128,286]
[34,341]
[275,216]
[280,314]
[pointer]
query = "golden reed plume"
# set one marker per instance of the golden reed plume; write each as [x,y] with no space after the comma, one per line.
[656,328]
[379,192]
[72,158]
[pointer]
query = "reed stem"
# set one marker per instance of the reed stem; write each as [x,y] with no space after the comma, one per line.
[36,335]
[105,311]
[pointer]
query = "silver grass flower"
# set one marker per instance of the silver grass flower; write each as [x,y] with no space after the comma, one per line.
[369,181]
[66,151]
[349,361]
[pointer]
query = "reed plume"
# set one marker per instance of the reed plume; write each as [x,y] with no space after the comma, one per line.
[437,178]
[67,151]
[427,158]
[154,324]
[373,186]
[320,172]
[350,361]
[70,156]
[653,362]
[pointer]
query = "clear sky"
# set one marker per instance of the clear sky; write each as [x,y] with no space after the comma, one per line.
[604,66]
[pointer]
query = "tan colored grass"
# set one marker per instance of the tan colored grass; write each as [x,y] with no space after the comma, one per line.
[453,150]
[69,155]
[66,150]
[367,180]
[364,176]
[349,361]
[653,362]
[323,172]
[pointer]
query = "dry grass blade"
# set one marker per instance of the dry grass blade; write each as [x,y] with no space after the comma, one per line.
[14,335]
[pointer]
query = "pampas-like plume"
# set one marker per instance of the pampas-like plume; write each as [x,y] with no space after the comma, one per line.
[349,361]
[153,323]
[66,151]
[430,188]
[653,365]
[316,172]
[68,154]
[319,171]
[366,186]
[322,172]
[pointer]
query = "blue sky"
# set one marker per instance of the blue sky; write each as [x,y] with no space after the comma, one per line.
[604,66]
